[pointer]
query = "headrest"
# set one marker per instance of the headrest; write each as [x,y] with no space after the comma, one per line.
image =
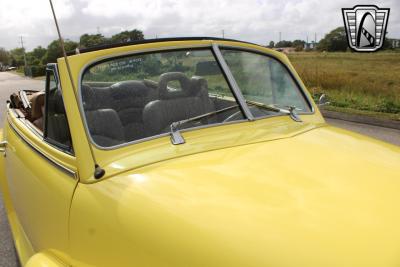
[199,86]
[128,88]
[167,77]
[37,102]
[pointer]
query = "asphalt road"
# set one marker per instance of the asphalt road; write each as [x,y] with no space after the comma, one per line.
[10,83]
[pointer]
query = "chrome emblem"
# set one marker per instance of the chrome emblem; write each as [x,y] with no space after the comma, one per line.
[365,27]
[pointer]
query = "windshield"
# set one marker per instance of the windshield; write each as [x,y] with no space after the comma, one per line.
[264,80]
[138,96]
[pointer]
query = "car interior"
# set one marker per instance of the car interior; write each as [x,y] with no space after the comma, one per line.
[129,110]
[33,111]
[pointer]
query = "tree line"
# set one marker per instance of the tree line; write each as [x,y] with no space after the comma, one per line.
[37,59]
[334,41]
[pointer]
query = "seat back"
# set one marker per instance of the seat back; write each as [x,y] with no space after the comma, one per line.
[129,99]
[173,104]
[104,124]
[37,111]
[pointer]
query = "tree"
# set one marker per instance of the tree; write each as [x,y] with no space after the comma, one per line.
[283,43]
[36,56]
[4,56]
[336,40]
[54,50]
[89,40]
[127,36]
[17,57]
[271,44]
[39,52]
[298,45]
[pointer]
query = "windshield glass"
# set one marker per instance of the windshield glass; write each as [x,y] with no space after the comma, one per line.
[264,80]
[138,96]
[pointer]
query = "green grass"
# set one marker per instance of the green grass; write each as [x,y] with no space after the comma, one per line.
[353,81]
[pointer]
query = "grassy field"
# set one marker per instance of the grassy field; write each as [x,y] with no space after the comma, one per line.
[367,82]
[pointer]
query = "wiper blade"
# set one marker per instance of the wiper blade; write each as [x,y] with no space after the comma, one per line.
[291,111]
[177,138]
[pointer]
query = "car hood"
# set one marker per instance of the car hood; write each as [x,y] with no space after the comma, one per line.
[326,197]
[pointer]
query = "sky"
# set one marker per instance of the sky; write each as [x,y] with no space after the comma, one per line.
[258,21]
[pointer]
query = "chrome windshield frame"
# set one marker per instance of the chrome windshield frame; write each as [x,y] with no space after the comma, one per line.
[232,82]
[235,89]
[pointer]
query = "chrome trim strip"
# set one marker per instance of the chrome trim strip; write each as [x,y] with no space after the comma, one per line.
[31,127]
[232,82]
[64,169]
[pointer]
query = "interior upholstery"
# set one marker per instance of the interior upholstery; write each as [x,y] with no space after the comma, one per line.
[37,111]
[104,124]
[192,100]
[132,110]
[130,97]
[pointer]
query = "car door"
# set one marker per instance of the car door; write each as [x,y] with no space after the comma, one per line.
[41,171]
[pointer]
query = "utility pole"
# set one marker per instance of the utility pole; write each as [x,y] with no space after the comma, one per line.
[23,49]
[280,36]
[223,34]
[315,37]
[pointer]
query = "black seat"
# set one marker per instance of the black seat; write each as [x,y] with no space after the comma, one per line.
[104,124]
[176,104]
[129,99]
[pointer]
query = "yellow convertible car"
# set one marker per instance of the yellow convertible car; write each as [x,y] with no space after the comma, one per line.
[191,152]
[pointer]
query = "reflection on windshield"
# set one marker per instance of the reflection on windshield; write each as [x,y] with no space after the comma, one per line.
[134,97]
[264,80]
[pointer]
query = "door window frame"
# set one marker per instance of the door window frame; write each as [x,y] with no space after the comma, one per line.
[51,69]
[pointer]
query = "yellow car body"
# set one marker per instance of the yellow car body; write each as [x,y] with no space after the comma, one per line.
[269,192]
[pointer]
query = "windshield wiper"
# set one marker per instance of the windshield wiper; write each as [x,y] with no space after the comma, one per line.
[291,111]
[177,138]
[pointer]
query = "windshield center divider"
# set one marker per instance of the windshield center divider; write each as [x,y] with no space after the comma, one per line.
[232,82]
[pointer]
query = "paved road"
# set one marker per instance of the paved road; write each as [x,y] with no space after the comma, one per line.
[386,134]
[10,83]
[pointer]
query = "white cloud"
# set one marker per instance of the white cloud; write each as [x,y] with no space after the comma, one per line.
[252,20]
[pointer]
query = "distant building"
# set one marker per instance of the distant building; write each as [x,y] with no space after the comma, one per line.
[310,46]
